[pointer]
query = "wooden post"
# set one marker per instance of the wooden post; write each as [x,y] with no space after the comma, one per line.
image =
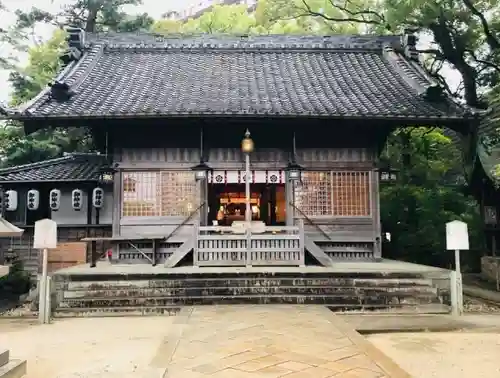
[300,224]
[154,248]
[375,213]
[93,244]
[289,210]
[117,196]
[196,232]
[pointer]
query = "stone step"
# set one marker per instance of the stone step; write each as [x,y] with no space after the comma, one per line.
[4,357]
[242,290]
[379,299]
[246,281]
[13,369]
[434,308]
[427,309]
[116,311]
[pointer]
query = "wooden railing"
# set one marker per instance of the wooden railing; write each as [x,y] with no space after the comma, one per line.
[273,245]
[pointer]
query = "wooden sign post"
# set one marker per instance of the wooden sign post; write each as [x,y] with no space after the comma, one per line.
[45,238]
[457,239]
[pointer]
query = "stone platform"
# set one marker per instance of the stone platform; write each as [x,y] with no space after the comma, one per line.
[383,266]
[268,341]
[11,368]
[111,290]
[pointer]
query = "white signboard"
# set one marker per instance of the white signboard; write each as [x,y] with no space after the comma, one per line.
[457,237]
[45,234]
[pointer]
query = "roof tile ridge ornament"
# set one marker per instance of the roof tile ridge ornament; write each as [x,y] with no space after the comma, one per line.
[5,111]
[37,164]
[407,66]
[76,45]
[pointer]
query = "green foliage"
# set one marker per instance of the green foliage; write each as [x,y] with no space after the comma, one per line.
[270,17]
[16,283]
[17,148]
[427,195]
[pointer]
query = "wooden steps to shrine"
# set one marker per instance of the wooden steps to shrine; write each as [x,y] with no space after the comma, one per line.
[10,368]
[90,295]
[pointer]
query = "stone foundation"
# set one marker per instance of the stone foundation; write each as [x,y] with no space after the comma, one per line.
[490,268]
[142,294]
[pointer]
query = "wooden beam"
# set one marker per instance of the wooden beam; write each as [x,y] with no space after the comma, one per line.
[180,253]
[317,252]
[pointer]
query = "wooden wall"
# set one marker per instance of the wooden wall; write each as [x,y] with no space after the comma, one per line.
[359,233]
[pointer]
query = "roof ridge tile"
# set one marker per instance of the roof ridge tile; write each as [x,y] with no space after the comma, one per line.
[38,164]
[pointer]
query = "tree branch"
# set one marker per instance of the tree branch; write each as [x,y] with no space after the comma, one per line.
[492,41]
[354,15]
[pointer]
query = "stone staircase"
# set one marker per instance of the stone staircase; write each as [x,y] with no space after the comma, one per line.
[11,368]
[89,295]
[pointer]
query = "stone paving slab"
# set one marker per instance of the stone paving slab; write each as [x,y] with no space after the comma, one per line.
[269,341]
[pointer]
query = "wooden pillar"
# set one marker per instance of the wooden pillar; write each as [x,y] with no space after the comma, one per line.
[375,212]
[93,244]
[117,203]
[154,250]
[204,201]
[213,203]
[272,203]
[264,205]
[289,195]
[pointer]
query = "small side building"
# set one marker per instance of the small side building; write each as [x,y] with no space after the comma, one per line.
[46,190]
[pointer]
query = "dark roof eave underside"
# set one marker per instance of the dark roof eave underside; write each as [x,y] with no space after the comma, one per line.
[410,118]
[90,181]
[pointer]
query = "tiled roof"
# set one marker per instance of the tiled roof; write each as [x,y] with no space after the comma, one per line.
[71,167]
[134,75]
[488,146]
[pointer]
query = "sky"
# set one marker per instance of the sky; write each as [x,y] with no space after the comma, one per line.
[155,8]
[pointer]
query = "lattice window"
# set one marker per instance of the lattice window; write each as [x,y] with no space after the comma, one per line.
[180,194]
[338,193]
[351,193]
[165,193]
[313,195]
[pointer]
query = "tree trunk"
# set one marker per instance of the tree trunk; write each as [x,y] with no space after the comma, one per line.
[90,25]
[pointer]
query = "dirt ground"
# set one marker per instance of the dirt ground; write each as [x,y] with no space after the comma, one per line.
[90,348]
[442,355]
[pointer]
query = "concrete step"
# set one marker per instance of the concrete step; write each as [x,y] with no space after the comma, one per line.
[4,357]
[242,291]
[421,309]
[172,311]
[246,281]
[13,369]
[116,311]
[379,299]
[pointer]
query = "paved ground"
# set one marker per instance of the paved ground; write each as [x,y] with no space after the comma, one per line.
[442,355]
[219,341]
[368,324]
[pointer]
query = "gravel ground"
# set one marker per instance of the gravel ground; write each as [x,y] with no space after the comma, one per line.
[443,355]
[87,348]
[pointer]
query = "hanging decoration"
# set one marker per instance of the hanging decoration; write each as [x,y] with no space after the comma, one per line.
[55,199]
[77,199]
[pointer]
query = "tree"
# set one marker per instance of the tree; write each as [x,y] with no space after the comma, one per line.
[236,19]
[463,36]
[90,15]
[43,65]
[426,195]
[15,147]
